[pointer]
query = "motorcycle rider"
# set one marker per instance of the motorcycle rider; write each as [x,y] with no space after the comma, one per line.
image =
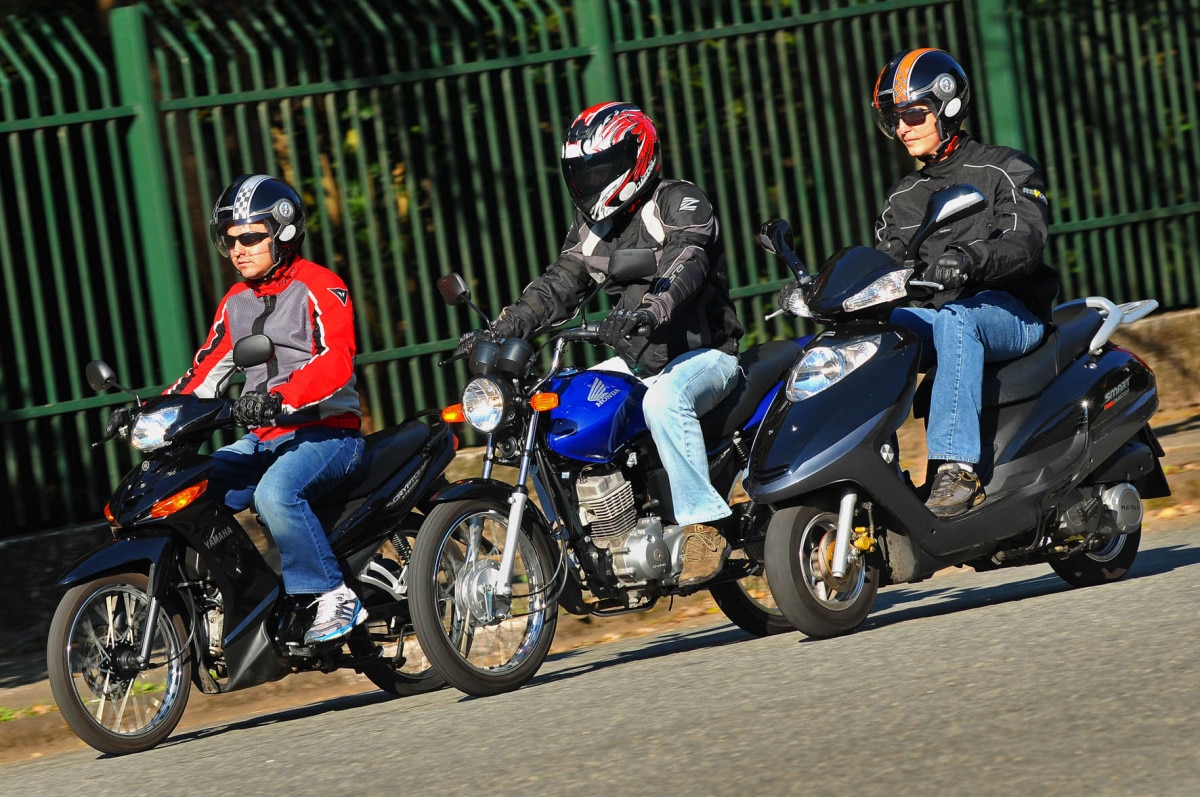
[680,335]
[301,408]
[997,292]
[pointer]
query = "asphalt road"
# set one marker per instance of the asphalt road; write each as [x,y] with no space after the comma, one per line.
[995,683]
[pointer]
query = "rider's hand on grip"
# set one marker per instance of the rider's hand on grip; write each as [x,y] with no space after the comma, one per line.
[468,341]
[256,409]
[119,423]
[620,324]
[950,270]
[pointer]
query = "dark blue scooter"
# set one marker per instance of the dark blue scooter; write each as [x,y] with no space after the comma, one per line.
[1071,456]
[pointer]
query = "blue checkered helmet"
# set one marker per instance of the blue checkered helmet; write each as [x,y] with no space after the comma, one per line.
[254,198]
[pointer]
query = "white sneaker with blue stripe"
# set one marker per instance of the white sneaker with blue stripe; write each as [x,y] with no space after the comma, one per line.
[338,611]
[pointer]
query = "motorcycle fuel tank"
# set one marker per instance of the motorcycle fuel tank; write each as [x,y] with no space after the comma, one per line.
[598,412]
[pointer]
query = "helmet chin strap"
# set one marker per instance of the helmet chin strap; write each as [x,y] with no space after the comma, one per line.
[942,151]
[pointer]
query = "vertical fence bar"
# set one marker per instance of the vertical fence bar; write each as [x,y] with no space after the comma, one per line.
[150,187]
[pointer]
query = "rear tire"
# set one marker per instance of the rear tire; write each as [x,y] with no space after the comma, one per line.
[1108,563]
[402,668]
[107,700]
[797,540]
[454,603]
[749,605]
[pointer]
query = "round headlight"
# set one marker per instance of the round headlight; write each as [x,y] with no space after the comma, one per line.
[484,404]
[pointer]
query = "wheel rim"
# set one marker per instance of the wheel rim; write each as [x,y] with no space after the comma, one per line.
[815,553]
[1109,551]
[105,638]
[489,632]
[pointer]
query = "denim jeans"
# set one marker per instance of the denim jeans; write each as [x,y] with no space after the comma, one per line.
[987,327]
[281,476]
[690,385]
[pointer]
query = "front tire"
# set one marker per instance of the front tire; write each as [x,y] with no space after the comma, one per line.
[480,641]
[111,703]
[1108,563]
[797,551]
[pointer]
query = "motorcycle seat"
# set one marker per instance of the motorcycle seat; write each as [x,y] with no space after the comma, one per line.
[762,366]
[383,452]
[1023,378]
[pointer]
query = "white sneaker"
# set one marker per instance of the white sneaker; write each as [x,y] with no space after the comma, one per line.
[338,611]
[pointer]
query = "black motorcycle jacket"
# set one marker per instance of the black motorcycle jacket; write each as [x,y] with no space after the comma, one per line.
[689,296]
[1004,242]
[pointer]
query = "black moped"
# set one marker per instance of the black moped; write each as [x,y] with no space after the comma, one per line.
[1069,454]
[182,594]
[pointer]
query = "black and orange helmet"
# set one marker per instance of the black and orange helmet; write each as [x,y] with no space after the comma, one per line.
[924,76]
[610,157]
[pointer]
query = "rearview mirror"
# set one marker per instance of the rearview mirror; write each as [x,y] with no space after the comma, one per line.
[776,236]
[946,205]
[632,265]
[99,375]
[453,290]
[252,350]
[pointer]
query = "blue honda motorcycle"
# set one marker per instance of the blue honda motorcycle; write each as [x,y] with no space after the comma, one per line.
[491,567]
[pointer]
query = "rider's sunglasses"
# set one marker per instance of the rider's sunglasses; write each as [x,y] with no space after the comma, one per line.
[914,116]
[246,239]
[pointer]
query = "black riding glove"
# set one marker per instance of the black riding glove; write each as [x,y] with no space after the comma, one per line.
[950,270]
[119,423]
[620,324]
[790,299]
[256,409]
[468,341]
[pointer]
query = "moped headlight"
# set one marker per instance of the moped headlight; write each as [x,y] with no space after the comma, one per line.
[484,404]
[891,287]
[823,366]
[150,429]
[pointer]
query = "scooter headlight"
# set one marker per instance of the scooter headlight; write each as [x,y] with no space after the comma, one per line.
[823,366]
[891,287]
[485,404]
[150,429]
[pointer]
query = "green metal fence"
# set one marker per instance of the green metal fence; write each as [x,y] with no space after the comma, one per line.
[424,138]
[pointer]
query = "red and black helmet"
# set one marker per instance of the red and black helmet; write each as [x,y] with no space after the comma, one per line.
[927,77]
[260,198]
[610,157]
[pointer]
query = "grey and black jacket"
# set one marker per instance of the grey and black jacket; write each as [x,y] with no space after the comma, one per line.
[1004,242]
[690,295]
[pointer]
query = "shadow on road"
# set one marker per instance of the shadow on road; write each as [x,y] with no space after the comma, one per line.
[937,601]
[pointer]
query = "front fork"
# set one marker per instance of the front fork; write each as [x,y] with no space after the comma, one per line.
[516,512]
[850,543]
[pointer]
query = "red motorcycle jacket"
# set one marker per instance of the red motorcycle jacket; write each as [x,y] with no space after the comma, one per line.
[305,309]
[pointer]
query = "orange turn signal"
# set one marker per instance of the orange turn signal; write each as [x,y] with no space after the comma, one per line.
[543,401]
[171,505]
[453,414]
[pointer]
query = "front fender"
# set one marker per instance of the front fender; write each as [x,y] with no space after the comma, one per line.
[489,490]
[142,554]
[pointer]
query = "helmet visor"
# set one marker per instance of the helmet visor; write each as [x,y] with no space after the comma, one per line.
[588,175]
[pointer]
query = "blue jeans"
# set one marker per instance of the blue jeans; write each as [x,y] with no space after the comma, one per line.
[987,327]
[281,476]
[690,385]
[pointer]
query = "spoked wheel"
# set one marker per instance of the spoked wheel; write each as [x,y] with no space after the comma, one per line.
[402,668]
[111,702]
[799,550]
[481,640]
[1110,562]
[748,602]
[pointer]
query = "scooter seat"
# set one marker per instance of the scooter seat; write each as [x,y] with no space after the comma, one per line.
[383,452]
[1023,378]
[762,366]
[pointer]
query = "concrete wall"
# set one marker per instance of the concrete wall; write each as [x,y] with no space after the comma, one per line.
[1170,343]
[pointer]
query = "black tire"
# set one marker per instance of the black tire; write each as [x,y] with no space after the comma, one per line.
[813,604]
[402,669]
[750,606]
[476,655]
[1108,563]
[107,701]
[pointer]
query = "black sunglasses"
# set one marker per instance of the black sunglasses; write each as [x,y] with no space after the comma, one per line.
[246,239]
[912,116]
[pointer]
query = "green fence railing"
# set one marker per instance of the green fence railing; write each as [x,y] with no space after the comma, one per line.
[424,138]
